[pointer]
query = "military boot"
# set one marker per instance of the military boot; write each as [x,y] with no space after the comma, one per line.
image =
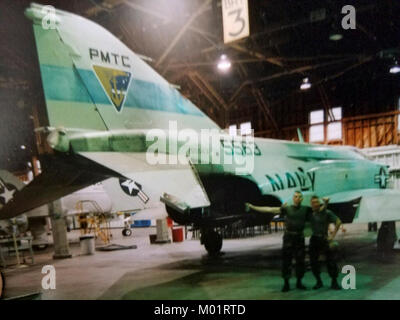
[299,285]
[319,283]
[286,286]
[335,285]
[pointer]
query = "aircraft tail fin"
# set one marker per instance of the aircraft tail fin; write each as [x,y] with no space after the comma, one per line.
[93,81]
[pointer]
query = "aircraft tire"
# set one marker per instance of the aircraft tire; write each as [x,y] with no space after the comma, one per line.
[212,242]
[126,232]
[386,237]
[2,285]
[40,247]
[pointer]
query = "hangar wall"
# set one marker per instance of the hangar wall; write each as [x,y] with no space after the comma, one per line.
[362,131]
[370,113]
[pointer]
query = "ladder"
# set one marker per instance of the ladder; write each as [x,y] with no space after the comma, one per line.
[94,221]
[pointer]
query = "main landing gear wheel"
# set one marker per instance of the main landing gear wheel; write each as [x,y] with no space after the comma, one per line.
[212,241]
[2,285]
[386,237]
[40,247]
[126,232]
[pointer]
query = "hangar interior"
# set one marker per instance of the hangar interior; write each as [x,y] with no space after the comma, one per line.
[353,100]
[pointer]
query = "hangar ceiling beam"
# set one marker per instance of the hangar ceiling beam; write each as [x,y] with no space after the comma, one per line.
[207,35]
[207,89]
[257,60]
[256,54]
[151,12]
[276,28]
[302,21]
[281,74]
[182,31]
[259,56]
[361,61]
[325,102]
[208,63]
[265,108]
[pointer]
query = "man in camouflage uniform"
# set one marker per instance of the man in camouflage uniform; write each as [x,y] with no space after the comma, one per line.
[295,217]
[321,243]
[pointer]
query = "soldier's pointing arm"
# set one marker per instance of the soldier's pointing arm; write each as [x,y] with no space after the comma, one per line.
[274,210]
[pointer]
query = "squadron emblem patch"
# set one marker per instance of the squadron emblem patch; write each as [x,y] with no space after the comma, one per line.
[115,84]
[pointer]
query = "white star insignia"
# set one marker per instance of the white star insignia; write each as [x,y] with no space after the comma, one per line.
[7,194]
[381,178]
[130,185]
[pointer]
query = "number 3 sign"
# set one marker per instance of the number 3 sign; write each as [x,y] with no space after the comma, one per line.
[235,15]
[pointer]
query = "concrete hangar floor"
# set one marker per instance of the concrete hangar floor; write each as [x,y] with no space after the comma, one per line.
[249,268]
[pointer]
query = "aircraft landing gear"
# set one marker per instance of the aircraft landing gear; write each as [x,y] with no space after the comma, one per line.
[40,247]
[212,241]
[372,226]
[127,232]
[386,237]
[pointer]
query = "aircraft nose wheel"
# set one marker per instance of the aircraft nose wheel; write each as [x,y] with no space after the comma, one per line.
[212,241]
[126,232]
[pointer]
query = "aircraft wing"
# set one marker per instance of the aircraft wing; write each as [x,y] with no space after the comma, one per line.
[366,205]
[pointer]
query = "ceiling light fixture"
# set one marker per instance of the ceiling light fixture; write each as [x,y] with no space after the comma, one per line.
[305,85]
[395,68]
[224,64]
[335,34]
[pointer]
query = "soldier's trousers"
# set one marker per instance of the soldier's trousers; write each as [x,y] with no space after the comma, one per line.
[318,246]
[293,247]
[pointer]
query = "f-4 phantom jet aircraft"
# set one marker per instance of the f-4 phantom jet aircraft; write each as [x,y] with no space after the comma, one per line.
[111,115]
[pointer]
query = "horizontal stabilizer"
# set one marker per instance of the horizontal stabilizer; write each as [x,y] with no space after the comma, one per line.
[366,205]
[62,176]
[153,180]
